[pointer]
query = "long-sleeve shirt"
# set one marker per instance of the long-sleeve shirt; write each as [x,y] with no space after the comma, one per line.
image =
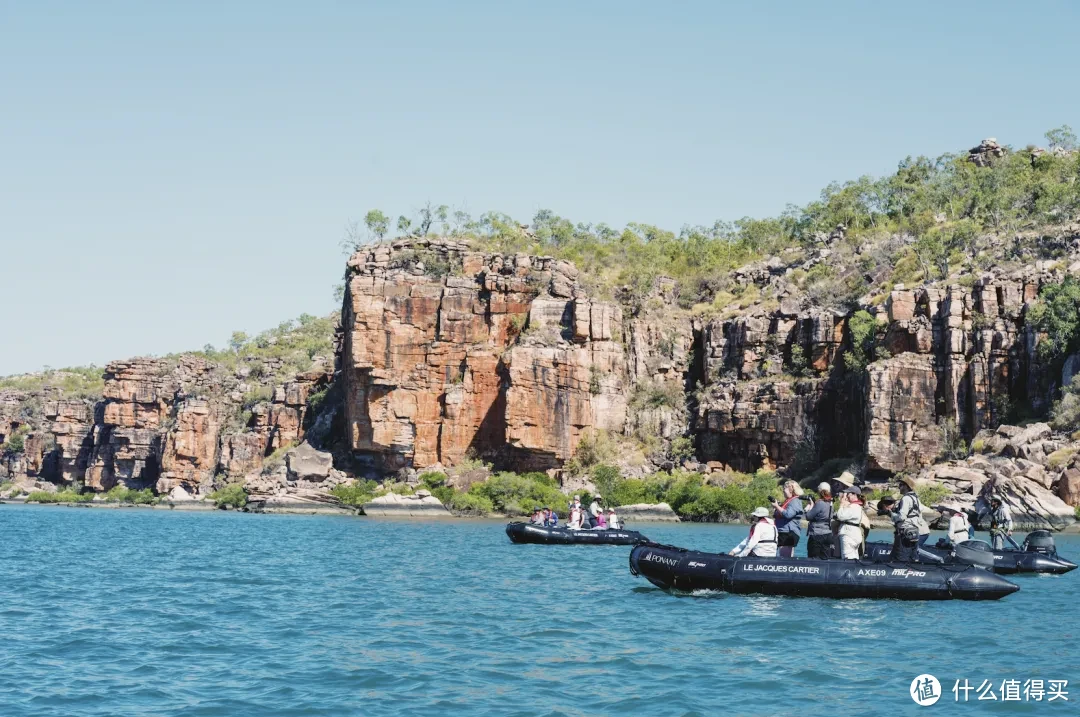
[818,517]
[909,511]
[787,518]
[760,543]
[850,517]
[1001,520]
[613,522]
[958,528]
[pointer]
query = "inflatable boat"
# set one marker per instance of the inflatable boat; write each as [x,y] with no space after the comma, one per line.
[681,570]
[528,533]
[1038,554]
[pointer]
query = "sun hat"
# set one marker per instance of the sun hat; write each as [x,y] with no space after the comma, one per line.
[760,512]
[611,510]
[824,487]
[908,481]
[853,489]
[845,478]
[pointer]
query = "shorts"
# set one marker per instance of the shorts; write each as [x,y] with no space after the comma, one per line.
[787,539]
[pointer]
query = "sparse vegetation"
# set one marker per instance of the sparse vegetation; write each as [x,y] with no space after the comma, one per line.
[1065,413]
[930,495]
[355,493]
[64,496]
[120,494]
[231,496]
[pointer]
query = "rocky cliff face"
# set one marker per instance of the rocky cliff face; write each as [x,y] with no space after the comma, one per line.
[449,353]
[161,423]
[446,353]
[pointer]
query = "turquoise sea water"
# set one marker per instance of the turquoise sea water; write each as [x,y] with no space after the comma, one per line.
[139,612]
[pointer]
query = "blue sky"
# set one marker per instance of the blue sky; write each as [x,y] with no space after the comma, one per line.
[170,173]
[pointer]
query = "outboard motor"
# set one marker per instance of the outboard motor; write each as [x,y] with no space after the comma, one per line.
[976,552]
[1040,541]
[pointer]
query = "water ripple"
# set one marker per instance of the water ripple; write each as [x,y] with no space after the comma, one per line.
[159,613]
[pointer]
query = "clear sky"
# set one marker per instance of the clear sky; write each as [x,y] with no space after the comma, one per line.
[171,172]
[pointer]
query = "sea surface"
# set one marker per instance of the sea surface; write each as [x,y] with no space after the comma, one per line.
[150,612]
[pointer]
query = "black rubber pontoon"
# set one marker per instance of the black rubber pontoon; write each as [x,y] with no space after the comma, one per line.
[527,533]
[683,570]
[1038,555]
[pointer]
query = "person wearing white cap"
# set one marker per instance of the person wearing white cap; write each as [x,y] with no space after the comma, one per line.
[761,543]
[850,515]
[958,524]
[819,537]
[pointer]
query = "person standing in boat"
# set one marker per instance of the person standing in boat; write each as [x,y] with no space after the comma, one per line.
[761,542]
[788,516]
[594,507]
[1001,522]
[819,537]
[576,517]
[850,516]
[911,530]
[958,524]
[613,521]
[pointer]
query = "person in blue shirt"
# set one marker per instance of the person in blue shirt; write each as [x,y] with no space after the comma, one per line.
[551,518]
[788,516]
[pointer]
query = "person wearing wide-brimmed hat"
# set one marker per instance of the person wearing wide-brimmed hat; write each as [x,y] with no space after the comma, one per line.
[850,516]
[1001,522]
[761,542]
[911,530]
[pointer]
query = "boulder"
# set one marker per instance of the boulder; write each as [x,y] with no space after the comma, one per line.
[647,513]
[306,463]
[393,505]
[1069,487]
[179,494]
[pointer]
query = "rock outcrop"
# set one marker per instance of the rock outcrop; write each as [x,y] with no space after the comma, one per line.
[1014,464]
[420,505]
[648,512]
[449,353]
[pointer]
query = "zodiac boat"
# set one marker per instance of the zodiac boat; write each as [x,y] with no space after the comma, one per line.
[528,533]
[681,570]
[1038,554]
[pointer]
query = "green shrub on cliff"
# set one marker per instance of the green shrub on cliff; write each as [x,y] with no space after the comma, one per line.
[74,382]
[1056,315]
[232,495]
[945,203]
[1065,414]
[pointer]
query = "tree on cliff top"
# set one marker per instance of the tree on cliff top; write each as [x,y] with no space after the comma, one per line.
[945,204]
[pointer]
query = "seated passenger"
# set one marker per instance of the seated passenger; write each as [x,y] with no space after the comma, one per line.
[761,543]
[551,518]
[601,524]
[613,521]
[537,518]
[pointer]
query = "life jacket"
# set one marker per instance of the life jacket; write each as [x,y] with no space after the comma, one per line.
[767,524]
